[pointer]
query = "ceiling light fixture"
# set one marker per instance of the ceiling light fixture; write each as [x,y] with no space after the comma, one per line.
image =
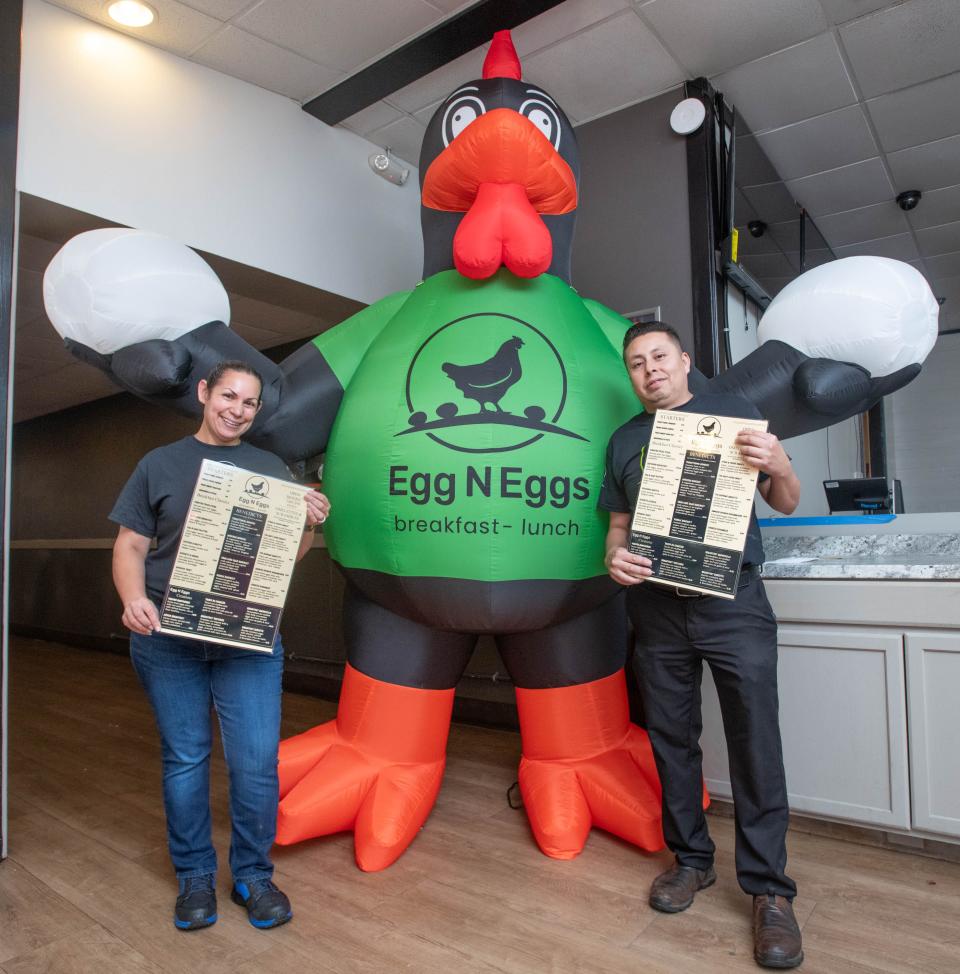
[383,164]
[131,13]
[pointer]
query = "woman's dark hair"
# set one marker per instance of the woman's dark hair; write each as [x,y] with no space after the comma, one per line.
[234,365]
[648,328]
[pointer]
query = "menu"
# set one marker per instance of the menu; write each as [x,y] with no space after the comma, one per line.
[695,502]
[236,556]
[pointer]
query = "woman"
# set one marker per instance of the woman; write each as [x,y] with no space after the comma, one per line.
[183,677]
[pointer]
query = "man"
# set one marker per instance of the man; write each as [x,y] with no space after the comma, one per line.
[676,631]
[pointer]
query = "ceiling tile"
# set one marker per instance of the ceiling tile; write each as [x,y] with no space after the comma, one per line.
[818,144]
[711,37]
[375,116]
[949,288]
[840,11]
[434,87]
[334,32]
[846,188]
[931,166]
[899,247]
[751,163]
[221,9]
[561,22]
[804,80]
[773,202]
[939,240]
[904,44]
[812,258]
[937,207]
[403,137]
[614,64]
[866,223]
[786,234]
[743,209]
[235,52]
[750,245]
[451,6]
[918,114]
[178,28]
[943,265]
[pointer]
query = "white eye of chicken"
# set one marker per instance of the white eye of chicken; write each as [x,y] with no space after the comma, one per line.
[544,118]
[459,115]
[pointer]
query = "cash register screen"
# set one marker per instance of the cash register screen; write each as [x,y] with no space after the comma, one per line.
[869,495]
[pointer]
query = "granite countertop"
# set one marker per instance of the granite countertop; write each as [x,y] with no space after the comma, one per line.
[880,556]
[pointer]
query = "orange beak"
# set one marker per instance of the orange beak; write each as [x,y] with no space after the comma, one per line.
[501,147]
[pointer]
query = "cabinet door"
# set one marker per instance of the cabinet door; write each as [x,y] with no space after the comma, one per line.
[933,681]
[842,721]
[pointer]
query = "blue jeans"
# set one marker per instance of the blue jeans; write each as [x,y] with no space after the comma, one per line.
[183,678]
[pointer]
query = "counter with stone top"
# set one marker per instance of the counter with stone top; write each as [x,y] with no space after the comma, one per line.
[863,556]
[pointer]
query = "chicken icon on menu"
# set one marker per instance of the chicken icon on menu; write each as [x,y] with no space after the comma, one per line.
[236,556]
[695,501]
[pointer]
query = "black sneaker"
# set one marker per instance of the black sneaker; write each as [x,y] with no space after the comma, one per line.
[266,905]
[197,903]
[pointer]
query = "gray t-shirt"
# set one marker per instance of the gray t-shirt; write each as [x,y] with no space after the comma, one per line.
[155,500]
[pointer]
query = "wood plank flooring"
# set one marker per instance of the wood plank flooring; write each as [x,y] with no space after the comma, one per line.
[88,886]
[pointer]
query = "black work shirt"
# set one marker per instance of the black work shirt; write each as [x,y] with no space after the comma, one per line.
[627,451]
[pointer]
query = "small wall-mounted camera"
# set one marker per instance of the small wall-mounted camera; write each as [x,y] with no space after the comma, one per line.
[908,199]
[757,228]
[385,165]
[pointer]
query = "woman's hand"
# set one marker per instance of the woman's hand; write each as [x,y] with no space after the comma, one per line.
[318,508]
[140,615]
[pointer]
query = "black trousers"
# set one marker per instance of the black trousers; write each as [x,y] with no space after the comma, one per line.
[738,639]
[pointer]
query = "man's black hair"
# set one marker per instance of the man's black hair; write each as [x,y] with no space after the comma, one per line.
[648,328]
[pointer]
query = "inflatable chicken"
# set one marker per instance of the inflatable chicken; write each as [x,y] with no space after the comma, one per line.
[464,425]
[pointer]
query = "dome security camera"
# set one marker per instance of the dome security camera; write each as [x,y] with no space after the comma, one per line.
[756,228]
[908,199]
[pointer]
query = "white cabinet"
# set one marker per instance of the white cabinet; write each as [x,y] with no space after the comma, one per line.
[933,681]
[843,725]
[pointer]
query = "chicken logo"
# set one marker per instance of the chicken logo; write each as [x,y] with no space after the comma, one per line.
[508,374]
[708,426]
[257,487]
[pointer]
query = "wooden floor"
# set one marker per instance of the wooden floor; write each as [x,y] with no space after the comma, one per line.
[88,887]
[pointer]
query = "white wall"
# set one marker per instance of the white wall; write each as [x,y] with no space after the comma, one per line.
[923,433]
[124,131]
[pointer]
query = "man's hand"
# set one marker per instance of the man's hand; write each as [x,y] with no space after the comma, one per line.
[626,568]
[140,615]
[764,451]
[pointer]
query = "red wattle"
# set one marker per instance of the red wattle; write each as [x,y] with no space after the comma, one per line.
[502,227]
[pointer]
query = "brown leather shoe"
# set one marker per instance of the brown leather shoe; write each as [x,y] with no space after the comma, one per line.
[674,890]
[776,936]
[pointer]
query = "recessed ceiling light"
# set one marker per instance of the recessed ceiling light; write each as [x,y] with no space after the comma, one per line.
[131,13]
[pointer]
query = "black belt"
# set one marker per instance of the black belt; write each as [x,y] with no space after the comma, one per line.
[747,574]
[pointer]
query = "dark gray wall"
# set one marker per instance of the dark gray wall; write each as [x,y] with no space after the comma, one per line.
[631,249]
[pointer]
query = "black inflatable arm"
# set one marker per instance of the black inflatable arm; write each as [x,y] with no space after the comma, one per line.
[300,397]
[798,394]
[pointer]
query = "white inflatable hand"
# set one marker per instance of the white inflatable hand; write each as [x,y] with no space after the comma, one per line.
[874,312]
[108,289]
